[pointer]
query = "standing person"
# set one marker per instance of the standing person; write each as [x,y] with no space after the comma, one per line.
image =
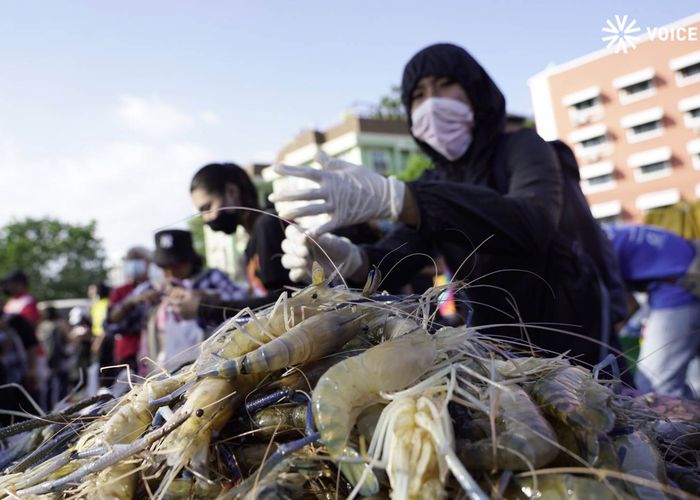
[16,286]
[53,333]
[81,343]
[667,268]
[219,185]
[22,314]
[503,238]
[128,305]
[184,270]
[13,370]
[102,344]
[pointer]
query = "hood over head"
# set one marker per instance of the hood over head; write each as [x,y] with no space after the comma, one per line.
[451,61]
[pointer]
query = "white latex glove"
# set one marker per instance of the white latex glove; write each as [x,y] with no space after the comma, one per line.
[351,194]
[300,252]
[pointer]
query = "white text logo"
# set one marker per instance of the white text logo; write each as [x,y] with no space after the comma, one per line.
[624,33]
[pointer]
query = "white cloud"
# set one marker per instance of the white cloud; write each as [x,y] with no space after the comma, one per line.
[131,189]
[209,117]
[153,116]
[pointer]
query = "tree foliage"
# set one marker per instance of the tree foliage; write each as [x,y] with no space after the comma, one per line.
[416,164]
[390,106]
[60,259]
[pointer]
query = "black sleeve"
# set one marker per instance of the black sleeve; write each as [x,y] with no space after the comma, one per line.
[523,221]
[398,256]
[24,330]
[266,245]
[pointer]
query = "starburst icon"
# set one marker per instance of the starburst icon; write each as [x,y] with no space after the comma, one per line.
[621,33]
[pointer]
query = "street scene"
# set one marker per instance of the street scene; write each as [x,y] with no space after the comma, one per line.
[386,250]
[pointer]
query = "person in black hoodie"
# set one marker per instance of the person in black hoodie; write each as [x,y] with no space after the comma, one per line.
[507,245]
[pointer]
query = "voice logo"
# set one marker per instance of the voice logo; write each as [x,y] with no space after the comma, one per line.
[623,33]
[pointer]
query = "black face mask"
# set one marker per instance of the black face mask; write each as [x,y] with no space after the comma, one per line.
[227,221]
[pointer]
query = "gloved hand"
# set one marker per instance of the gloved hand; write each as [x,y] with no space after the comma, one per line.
[300,252]
[352,194]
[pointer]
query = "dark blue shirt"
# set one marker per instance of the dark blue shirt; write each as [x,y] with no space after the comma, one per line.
[655,257]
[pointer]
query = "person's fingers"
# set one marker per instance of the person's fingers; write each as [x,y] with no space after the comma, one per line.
[299,195]
[297,274]
[329,163]
[306,210]
[306,172]
[292,261]
[294,248]
[328,227]
[293,233]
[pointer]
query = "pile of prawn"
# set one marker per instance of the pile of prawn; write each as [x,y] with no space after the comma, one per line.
[333,392]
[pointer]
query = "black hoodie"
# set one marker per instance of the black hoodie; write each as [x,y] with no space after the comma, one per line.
[507,246]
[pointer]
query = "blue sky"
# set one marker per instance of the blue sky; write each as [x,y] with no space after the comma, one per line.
[107,108]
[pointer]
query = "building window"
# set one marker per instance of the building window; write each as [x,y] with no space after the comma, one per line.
[687,69]
[644,125]
[692,70]
[690,107]
[380,161]
[608,211]
[636,86]
[591,143]
[601,179]
[654,167]
[584,106]
[597,177]
[652,164]
[587,104]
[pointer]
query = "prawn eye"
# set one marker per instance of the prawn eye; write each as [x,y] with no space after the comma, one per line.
[314,296]
[199,413]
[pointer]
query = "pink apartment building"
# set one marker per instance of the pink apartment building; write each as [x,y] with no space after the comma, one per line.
[633,120]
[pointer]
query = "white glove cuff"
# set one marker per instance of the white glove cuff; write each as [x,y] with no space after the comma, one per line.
[397,190]
[353,261]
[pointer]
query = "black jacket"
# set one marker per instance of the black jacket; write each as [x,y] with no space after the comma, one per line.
[506,246]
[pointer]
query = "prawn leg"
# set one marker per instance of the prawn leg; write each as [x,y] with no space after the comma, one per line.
[119,453]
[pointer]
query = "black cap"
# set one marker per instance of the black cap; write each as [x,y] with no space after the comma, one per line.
[173,246]
[16,276]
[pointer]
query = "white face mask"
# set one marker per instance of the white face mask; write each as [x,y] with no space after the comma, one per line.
[445,125]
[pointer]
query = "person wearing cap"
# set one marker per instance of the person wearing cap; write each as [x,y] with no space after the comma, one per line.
[185,272]
[503,241]
[128,305]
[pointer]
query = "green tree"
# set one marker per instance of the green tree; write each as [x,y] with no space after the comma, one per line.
[390,106]
[416,164]
[60,259]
